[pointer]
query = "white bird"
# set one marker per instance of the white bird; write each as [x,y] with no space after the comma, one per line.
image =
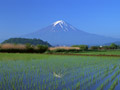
[57,75]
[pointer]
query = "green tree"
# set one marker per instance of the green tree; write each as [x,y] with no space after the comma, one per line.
[113,46]
[82,47]
[42,48]
[29,46]
[26,40]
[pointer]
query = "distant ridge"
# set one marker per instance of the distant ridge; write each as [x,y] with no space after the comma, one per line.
[25,41]
[117,43]
[64,34]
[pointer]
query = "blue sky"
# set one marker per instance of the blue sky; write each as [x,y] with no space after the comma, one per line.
[18,17]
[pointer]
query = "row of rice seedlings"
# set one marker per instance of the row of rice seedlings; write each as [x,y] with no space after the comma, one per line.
[119,79]
[101,87]
[114,84]
[94,70]
[14,81]
[96,78]
[114,67]
[115,74]
[73,77]
[112,78]
[103,75]
[93,81]
[98,74]
[50,83]
[89,79]
[78,85]
[78,78]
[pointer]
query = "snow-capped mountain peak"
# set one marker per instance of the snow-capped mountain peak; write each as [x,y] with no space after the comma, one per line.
[61,25]
[60,22]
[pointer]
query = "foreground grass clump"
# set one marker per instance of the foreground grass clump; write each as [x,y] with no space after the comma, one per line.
[53,72]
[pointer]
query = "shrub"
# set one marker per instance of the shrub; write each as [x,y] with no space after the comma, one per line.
[29,46]
[105,47]
[94,47]
[82,47]
[42,48]
[64,51]
[0,46]
[60,50]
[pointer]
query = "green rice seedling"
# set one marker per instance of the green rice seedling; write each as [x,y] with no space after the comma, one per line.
[101,87]
[115,74]
[78,85]
[119,79]
[115,83]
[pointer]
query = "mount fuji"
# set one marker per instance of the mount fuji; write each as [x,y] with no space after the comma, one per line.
[62,33]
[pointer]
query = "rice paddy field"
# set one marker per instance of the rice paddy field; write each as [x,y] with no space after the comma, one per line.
[57,72]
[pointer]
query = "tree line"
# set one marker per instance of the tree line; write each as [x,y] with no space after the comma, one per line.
[105,47]
[19,48]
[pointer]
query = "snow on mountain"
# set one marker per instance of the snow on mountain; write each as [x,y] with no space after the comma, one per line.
[62,33]
[60,23]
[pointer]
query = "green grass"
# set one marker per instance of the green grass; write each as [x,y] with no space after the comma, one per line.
[97,52]
[21,56]
[108,52]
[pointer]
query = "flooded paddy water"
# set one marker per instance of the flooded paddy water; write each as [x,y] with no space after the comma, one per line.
[52,72]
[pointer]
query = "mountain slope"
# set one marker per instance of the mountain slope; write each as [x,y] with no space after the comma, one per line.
[25,40]
[62,33]
[117,43]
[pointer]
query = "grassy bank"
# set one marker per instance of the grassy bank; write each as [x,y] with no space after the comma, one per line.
[21,56]
[107,52]
[89,52]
